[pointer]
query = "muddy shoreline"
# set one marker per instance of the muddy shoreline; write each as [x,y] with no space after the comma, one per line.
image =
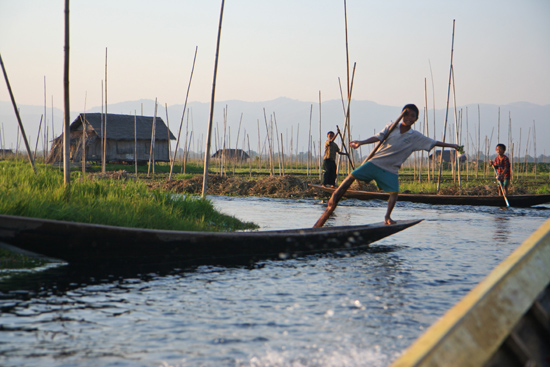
[290,186]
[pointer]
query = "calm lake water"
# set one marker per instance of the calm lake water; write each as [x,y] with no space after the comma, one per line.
[328,310]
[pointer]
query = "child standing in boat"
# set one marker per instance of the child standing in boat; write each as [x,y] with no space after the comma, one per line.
[502,165]
[383,168]
[329,160]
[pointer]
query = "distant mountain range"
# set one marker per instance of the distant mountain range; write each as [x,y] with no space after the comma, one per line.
[293,119]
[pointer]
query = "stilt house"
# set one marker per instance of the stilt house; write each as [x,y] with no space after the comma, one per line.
[125,142]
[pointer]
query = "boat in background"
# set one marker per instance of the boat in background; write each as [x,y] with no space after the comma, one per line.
[103,245]
[503,321]
[518,201]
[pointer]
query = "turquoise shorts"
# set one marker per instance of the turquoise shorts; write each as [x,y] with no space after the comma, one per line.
[505,183]
[385,180]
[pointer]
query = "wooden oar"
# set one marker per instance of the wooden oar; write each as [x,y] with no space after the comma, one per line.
[345,149]
[344,186]
[501,188]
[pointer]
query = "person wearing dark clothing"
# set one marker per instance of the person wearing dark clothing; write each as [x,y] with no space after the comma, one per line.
[329,161]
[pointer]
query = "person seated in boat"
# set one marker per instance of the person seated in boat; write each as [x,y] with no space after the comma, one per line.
[383,168]
[502,166]
[329,161]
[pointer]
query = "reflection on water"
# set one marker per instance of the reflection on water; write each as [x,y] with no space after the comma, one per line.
[502,231]
[355,309]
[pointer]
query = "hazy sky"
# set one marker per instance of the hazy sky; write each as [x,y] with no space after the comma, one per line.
[283,48]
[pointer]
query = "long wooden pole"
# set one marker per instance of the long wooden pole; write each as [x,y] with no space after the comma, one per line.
[347,127]
[341,190]
[183,114]
[456,129]
[38,137]
[135,144]
[44,140]
[84,130]
[209,135]
[320,140]
[152,147]
[345,149]
[67,118]
[104,163]
[29,152]
[501,188]
[447,112]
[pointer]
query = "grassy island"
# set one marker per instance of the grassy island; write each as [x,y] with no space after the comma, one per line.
[127,203]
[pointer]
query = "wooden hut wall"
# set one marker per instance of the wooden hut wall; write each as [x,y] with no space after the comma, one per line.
[121,150]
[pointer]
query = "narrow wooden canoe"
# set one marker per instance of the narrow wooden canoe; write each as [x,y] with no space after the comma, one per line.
[503,321]
[81,243]
[518,201]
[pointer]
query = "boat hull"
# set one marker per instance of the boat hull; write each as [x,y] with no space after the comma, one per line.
[81,243]
[518,201]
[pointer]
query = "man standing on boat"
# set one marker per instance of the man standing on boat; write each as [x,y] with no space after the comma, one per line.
[383,168]
[329,161]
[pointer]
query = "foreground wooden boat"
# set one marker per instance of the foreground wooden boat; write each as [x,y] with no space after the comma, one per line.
[503,321]
[81,243]
[518,201]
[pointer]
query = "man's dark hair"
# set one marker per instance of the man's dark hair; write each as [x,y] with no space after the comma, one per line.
[502,146]
[330,132]
[413,107]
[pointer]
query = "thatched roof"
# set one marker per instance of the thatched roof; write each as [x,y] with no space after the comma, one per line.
[121,127]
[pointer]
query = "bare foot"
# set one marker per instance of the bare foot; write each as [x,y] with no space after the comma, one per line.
[389,221]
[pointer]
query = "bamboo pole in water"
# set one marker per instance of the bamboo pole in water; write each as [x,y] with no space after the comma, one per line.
[320,138]
[535,147]
[455,153]
[38,136]
[53,126]
[259,146]
[510,146]
[527,152]
[237,144]
[183,113]
[347,128]
[297,140]
[29,152]
[467,147]
[207,149]
[104,162]
[168,135]
[152,146]
[67,108]
[279,145]
[249,157]
[269,146]
[478,139]
[518,167]
[309,140]
[447,111]
[282,154]
[135,145]
[84,131]
[44,140]
[427,132]
[433,102]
